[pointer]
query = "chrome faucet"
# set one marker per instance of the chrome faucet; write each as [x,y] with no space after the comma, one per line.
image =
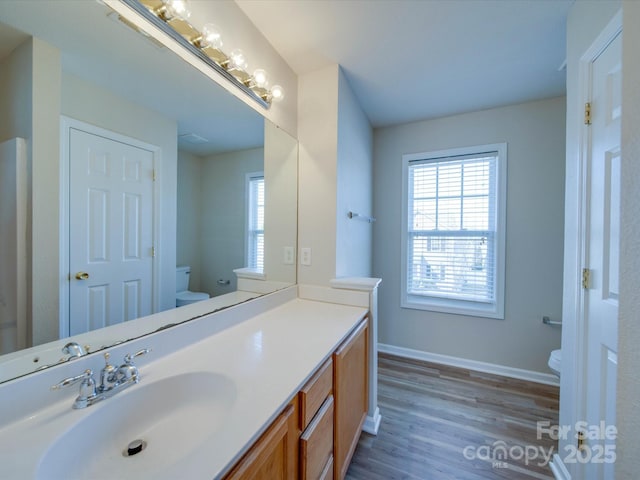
[112,380]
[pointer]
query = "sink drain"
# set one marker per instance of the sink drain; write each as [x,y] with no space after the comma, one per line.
[134,448]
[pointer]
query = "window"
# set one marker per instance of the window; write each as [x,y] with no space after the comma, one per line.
[454,230]
[255,221]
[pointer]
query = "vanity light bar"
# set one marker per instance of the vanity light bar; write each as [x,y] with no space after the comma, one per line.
[190,38]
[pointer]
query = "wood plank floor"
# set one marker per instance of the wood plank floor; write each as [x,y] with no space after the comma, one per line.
[431,413]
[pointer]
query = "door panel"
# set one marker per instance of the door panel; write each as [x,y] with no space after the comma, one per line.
[111,231]
[611,234]
[98,216]
[603,248]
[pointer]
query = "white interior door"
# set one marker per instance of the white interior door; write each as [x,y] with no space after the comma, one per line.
[110,231]
[601,298]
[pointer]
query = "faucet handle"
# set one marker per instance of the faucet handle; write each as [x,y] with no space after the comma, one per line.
[87,392]
[86,376]
[128,371]
[128,358]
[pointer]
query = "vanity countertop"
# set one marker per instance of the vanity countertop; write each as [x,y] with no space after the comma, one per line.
[268,357]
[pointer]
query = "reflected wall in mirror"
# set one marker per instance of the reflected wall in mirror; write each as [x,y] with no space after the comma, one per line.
[235,211]
[75,60]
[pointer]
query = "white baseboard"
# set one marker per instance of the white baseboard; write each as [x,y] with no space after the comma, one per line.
[559,469]
[511,372]
[372,423]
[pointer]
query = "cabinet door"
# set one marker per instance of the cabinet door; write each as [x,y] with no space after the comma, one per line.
[272,457]
[351,396]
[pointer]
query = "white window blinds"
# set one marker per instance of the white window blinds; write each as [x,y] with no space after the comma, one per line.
[452,227]
[255,227]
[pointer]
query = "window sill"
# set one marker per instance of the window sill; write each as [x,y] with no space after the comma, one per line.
[252,273]
[454,307]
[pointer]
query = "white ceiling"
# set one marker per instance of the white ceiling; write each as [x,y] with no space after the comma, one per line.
[405,59]
[415,59]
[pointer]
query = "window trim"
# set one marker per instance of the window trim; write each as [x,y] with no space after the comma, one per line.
[249,210]
[458,306]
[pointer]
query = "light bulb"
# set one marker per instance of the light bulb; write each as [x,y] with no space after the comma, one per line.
[277,93]
[261,78]
[211,36]
[237,59]
[177,9]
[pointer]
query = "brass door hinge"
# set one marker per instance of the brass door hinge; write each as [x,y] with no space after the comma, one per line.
[587,113]
[153,252]
[586,278]
[153,175]
[581,441]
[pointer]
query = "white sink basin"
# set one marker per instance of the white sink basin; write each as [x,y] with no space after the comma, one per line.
[174,416]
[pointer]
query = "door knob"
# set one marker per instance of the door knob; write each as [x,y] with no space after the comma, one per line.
[82,275]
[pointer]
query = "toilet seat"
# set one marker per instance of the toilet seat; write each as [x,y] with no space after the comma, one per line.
[555,361]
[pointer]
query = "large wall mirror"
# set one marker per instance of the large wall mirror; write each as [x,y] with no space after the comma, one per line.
[91,96]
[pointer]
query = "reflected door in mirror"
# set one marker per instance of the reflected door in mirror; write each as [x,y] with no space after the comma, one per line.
[111,231]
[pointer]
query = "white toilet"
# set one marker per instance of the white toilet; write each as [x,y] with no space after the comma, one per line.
[555,362]
[183,295]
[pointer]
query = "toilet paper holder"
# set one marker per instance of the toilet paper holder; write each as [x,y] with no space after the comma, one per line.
[547,321]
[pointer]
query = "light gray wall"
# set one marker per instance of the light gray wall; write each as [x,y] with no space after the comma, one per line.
[30,108]
[86,102]
[45,191]
[281,202]
[335,171]
[535,134]
[355,183]
[16,111]
[628,395]
[197,176]
[189,232]
[223,214]
[15,92]
[317,177]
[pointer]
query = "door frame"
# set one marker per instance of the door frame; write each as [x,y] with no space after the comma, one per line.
[577,331]
[66,124]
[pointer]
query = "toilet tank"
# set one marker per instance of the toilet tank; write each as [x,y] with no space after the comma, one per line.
[182,278]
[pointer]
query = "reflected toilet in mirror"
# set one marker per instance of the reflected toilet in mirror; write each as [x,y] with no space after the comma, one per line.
[183,295]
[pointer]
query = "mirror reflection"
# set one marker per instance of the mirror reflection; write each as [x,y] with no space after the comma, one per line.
[171,191]
[220,219]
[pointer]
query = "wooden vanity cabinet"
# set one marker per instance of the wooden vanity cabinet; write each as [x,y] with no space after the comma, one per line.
[274,455]
[317,434]
[350,377]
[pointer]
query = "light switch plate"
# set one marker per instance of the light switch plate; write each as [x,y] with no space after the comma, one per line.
[289,256]
[305,256]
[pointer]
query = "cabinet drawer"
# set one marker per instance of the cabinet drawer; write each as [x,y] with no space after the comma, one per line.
[314,393]
[316,444]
